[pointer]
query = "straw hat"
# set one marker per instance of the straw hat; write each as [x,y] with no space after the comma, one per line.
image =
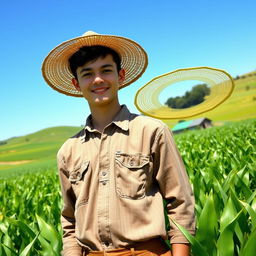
[220,83]
[56,71]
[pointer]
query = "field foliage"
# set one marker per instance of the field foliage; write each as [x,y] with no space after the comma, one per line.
[220,162]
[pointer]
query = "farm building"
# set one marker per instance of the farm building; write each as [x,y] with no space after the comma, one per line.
[201,123]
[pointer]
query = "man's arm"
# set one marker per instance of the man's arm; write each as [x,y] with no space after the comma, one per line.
[175,188]
[70,245]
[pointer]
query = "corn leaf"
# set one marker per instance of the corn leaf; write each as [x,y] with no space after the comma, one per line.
[8,251]
[251,212]
[250,247]
[208,224]
[197,248]
[225,243]
[228,214]
[24,227]
[49,233]
[26,251]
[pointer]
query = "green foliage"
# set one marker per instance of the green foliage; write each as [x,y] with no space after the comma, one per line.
[190,98]
[221,164]
[30,214]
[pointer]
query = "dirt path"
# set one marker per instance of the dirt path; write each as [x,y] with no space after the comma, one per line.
[15,162]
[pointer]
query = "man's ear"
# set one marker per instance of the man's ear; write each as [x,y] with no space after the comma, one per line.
[121,76]
[76,84]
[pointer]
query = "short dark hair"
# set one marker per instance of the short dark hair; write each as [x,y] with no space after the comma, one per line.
[90,53]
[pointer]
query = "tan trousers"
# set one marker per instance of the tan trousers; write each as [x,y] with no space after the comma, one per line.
[153,247]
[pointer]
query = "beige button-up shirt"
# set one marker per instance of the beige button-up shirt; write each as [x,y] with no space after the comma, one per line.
[113,185]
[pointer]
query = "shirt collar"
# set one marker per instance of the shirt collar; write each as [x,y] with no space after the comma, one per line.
[121,120]
[88,125]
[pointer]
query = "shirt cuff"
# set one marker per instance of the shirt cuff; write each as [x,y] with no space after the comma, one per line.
[72,251]
[176,237]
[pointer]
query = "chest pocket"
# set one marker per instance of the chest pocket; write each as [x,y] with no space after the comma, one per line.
[131,175]
[78,173]
[78,177]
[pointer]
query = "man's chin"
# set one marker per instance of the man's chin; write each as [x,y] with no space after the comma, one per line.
[102,102]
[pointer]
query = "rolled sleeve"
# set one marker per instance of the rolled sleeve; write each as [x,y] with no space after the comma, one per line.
[174,185]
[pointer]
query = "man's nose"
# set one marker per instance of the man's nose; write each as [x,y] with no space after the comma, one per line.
[98,79]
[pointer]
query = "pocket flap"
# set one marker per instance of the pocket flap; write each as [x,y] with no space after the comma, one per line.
[78,172]
[132,161]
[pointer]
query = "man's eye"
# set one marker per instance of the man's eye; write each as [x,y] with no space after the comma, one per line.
[86,74]
[107,70]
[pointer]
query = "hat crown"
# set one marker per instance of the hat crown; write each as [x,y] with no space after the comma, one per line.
[90,33]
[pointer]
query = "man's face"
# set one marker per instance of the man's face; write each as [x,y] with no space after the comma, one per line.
[99,80]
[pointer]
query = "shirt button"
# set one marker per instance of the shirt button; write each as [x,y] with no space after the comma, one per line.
[104,183]
[73,175]
[104,173]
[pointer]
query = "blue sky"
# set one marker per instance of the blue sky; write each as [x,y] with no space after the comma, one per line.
[175,34]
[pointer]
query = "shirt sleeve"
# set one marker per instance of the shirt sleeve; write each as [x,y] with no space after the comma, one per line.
[70,245]
[174,185]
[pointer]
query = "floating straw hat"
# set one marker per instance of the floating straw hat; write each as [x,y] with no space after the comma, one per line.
[56,71]
[147,97]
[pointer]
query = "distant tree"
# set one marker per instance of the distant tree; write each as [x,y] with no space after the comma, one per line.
[191,98]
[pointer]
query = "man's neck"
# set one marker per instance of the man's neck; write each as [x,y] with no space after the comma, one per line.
[101,117]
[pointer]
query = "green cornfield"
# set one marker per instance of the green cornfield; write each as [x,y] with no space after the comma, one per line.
[221,164]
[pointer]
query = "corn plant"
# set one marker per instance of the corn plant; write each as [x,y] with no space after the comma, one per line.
[29,215]
[221,164]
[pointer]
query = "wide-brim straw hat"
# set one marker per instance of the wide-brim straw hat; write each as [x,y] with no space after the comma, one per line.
[219,81]
[57,73]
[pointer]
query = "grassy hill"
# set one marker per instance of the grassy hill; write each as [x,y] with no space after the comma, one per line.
[34,151]
[38,150]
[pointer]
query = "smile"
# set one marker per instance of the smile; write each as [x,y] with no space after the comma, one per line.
[100,90]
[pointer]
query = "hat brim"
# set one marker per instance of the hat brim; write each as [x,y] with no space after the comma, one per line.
[147,97]
[56,71]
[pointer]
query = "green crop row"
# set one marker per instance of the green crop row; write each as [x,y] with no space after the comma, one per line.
[221,164]
[30,215]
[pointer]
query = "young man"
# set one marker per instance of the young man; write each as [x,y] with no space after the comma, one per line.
[116,171]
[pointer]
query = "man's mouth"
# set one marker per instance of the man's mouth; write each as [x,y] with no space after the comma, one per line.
[100,90]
